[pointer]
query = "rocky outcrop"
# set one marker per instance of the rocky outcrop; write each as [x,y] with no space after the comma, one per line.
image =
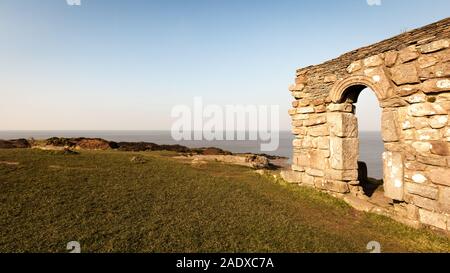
[14,144]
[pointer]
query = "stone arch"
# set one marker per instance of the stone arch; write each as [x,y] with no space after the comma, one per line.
[352,85]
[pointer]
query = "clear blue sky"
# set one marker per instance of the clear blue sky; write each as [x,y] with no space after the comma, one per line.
[123,64]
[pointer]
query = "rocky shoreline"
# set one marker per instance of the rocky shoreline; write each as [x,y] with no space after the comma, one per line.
[71,145]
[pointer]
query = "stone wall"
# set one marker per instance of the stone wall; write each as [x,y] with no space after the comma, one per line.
[410,75]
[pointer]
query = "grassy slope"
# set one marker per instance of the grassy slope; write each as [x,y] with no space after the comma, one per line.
[112,205]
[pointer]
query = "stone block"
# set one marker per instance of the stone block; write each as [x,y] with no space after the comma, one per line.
[330,78]
[307,179]
[344,153]
[417,98]
[421,123]
[301,159]
[315,120]
[435,85]
[341,175]
[340,107]
[323,143]
[389,125]
[373,61]
[292,176]
[435,71]
[318,158]
[423,202]
[404,74]
[393,175]
[330,185]
[315,172]
[432,219]
[435,46]
[438,122]
[428,134]
[444,199]
[343,124]
[318,131]
[441,148]
[390,58]
[425,109]
[305,110]
[440,176]
[422,190]
[408,54]
[427,61]
[355,66]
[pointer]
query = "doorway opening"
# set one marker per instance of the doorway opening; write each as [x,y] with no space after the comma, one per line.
[371,145]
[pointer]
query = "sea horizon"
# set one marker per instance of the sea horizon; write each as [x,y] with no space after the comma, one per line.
[371,145]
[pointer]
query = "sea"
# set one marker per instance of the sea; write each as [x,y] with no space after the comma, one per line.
[371,144]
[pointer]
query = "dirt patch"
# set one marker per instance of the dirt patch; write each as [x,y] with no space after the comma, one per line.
[58,167]
[9,163]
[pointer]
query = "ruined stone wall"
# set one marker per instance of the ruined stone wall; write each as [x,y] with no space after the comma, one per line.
[410,75]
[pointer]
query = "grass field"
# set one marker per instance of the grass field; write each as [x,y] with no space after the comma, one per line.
[110,204]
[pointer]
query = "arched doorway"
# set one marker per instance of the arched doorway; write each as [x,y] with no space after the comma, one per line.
[367,111]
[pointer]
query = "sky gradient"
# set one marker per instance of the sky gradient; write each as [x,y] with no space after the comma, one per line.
[123,65]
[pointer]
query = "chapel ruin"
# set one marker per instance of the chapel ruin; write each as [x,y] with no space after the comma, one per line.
[410,75]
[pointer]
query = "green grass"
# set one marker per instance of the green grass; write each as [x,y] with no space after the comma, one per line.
[110,204]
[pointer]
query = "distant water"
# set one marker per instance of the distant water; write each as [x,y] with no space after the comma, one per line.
[371,145]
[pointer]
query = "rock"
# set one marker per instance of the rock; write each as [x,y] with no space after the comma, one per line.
[435,46]
[421,147]
[319,131]
[355,66]
[390,58]
[441,148]
[342,175]
[444,199]
[435,85]
[342,107]
[389,125]
[297,95]
[344,153]
[421,123]
[425,109]
[373,61]
[331,185]
[138,159]
[315,120]
[296,87]
[393,175]
[408,54]
[93,144]
[330,78]
[427,61]
[417,98]
[14,144]
[435,71]
[432,219]
[393,102]
[405,73]
[307,180]
[422,190]
[440,176]
[291,176]
[316,159]
[343,124]
[305,110]
[257,161]
[428,134]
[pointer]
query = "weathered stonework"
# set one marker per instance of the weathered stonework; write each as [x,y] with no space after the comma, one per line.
[410,75]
